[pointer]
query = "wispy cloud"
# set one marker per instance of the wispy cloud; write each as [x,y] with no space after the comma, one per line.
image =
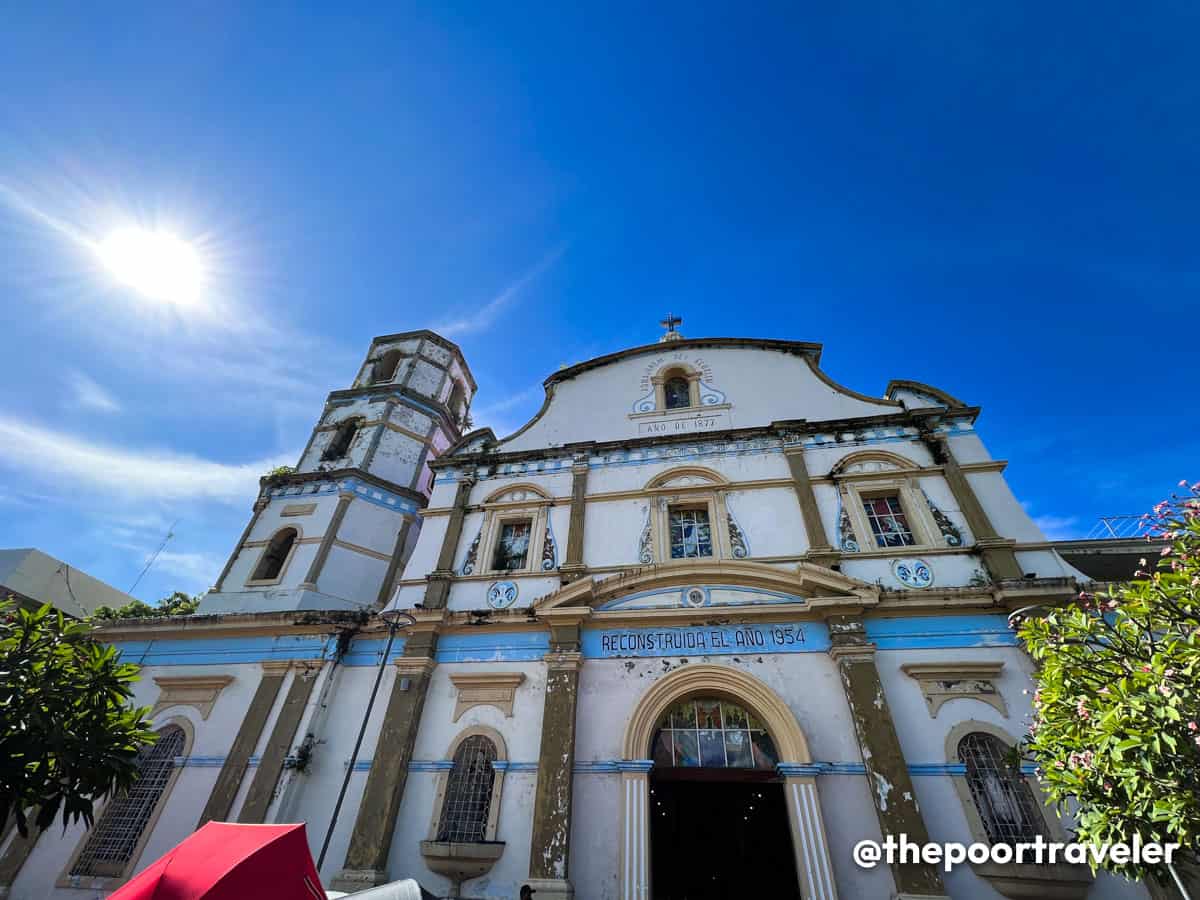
[486,314]
[158,474]
[90,395]
[1057,528]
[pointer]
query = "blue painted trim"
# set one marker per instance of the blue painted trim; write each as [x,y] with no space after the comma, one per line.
[226,651]
[940,631]
[787,769]
[361,489]
[522,766]
[704,640]
[369,651]
[514,646]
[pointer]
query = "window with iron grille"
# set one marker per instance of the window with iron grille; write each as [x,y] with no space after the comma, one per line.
[116,835]
[469,791]
[1005,802]
[512,549]
[691,535]
[888,522]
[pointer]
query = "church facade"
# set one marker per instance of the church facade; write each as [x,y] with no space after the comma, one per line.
[704,623]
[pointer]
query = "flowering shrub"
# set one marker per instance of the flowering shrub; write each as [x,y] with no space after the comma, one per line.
[1116,722]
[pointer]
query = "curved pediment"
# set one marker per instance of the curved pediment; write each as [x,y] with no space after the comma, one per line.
[724,584]
[867,461]
[686,477]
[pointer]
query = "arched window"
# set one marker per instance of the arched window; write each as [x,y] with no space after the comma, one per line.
[385,367]
[342,439]
[1005,803]
[270,564]
[469,792]
[115,837]
[677,393]
[711,733]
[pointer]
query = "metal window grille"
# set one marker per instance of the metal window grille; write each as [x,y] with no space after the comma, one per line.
[512,550]
[469,791]
[1005,802]
[691,535]
[888,522]
[677,393]
[115,836]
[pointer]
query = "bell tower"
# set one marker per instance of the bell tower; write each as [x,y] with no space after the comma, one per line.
[335,532]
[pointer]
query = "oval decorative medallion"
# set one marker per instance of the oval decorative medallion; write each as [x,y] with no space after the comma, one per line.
[913,572]
[695,597]
[502,594]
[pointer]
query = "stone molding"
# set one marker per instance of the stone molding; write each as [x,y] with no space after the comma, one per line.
[197,691]
[941,682]
[496,689]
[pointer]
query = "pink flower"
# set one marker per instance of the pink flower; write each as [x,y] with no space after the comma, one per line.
[1192,726]
[1103,690]
[1145,668]
[1165,551]
[1167,673]
[1165,690]
[1059,764]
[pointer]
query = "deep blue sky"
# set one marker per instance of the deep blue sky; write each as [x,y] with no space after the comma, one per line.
[998,199]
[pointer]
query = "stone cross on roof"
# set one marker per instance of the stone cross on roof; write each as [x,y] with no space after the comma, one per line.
[669,323]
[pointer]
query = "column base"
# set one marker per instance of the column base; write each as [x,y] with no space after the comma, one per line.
[351,880]
[550,888]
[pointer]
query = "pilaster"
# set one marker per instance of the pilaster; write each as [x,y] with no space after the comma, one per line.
[438,589]
[283,735]
[997,552]
[573,567]
[314,571]
[635,828]
[814,869]
[887,770]
[371,841]
[14,858]
[394,564]
[233,770]
[549,851]
[820,551]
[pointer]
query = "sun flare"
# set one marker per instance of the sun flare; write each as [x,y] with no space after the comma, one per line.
[157,264]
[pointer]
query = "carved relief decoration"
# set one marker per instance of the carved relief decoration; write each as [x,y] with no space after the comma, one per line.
[197,691]
[952,535]
[496,689]
[472,553]
[944,681]
[646,542]
[846,538]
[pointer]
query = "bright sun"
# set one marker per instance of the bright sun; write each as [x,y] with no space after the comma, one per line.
[156,264]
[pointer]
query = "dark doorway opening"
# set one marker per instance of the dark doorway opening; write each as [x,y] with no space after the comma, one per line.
[717,834]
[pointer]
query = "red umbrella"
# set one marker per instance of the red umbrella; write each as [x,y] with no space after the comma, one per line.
[226,861]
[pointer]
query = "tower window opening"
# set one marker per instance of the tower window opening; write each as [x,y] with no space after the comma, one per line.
[342,439]
[275,555]
[385,367]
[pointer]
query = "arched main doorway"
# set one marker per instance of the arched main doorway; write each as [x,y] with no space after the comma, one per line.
[711,741]
[718,817]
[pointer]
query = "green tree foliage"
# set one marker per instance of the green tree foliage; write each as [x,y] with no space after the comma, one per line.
[178,604]
[1116,722]
[68,736]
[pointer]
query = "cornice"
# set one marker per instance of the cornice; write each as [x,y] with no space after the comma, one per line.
[796,348]
[416,497]
[777,429]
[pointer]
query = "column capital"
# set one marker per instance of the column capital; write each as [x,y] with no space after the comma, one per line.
[853,653]
[280,667]
[564,662]
[636,766]
[413,666]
